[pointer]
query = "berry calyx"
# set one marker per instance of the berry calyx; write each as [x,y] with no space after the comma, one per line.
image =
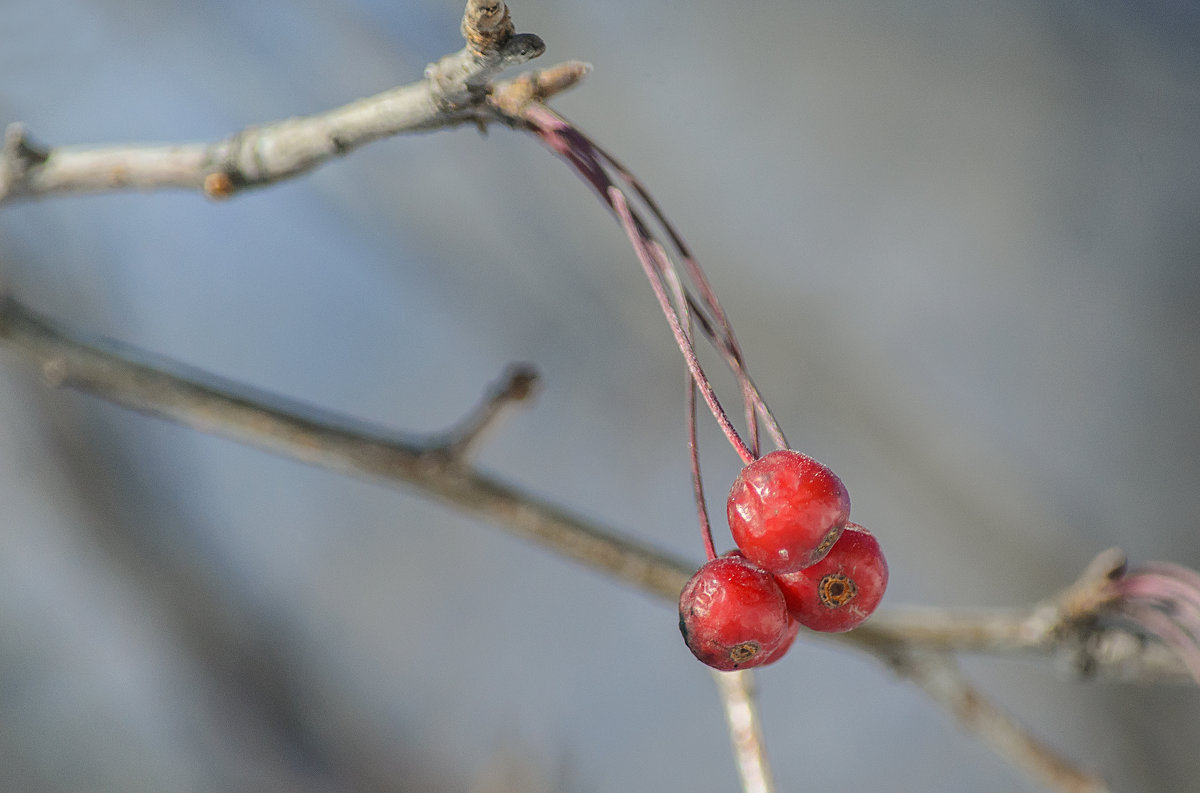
[786,510]
[843,589]
[732,614]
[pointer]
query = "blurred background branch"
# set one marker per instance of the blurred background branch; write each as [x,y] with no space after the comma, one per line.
[438,468]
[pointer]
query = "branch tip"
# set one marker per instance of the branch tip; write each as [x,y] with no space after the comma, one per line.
[1109,564]
[486,25]
[520,382]
[219,186]
[511,97]
[517,384]
[560,77]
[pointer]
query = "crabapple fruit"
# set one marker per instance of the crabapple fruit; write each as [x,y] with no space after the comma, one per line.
[786,511]
[781,649]
[840,591]
[732,614]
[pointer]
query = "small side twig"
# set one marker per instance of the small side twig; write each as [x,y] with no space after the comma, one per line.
[517,385]
[510,97]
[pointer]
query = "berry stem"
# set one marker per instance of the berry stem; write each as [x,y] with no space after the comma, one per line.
[710,550]
[682,305]
[725,341]
[590,162]
[652,259]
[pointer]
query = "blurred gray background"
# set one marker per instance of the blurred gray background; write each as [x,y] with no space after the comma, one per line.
[959,243]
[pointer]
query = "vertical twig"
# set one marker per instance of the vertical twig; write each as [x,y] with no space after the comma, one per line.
[745,730]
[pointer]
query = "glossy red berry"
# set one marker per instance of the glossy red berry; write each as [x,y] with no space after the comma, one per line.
[843,589]
[789,637]
[786,511]
[732,614]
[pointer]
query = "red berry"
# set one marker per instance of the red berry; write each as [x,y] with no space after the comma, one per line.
[840,591]
[786,511]
[732,614]
[789,636]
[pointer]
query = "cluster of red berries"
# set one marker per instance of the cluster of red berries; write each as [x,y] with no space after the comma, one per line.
[799,562]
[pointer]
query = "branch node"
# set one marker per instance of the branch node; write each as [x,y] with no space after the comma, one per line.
[486,25]
[219,185]
[517,384]
[511,97]
[1083,599]
[520,48]
[21,148]
[19,154]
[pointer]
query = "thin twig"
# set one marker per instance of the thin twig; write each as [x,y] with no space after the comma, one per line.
[516,385]
[653,270]
[745,730]
[938,676]
[719,330]
[455,90]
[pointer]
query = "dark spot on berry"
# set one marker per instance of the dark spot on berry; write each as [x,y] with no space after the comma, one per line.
[828,541]
[743,652]
[836,590]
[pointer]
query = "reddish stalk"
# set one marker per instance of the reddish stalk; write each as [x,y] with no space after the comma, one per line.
[724,340]
[682,307]
[590,162]
[654,268]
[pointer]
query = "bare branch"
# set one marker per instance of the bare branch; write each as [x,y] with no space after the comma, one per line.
[1061,625]
[1085,629]
[938,676]
[1042,628]
[453,91]
[745,730]
[202,402]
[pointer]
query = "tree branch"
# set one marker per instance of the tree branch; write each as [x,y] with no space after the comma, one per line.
[208,404]
[1068,625]
[456,89]
[938,676]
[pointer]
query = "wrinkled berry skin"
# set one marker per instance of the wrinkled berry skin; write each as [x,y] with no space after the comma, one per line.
[843,589]
[786,511]
[732,614]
